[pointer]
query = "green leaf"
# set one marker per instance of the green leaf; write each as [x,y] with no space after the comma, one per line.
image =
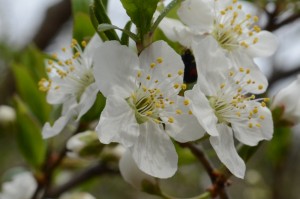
[100,13]
[27,88]
[125,37]
[141,13]
[96,109]
[82,25]
[29,135]
[104,27]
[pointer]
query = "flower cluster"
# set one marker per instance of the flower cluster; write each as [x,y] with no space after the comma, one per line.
[148,106]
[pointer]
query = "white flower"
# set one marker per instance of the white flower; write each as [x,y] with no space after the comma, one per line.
[227,27]
[132,174]
[288,99]
[142,107]
[7,114]
[224,105]
[22,186]
[72,84]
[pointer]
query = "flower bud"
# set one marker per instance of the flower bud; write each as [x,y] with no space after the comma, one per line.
[7,114]
[287,99]
[85,145]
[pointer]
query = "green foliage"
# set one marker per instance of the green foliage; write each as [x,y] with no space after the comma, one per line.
[27,74]
[96,109]
[99,12]
[83,27]
[141,13]
[29,136]
[125,37]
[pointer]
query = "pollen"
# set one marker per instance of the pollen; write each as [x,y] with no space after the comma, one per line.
[159,60]
[169,75]
[190,112]
[248,71]
[171,120]
[83,44]
[260,87]
[149,113]
[176,86]
[258,125]
[250,125]
[262,117]
[186,102]
[263,104]
[64,49]
[241,69]
[179,112]
[255,110]
[183,86]
[139,74]
[50,62]
[255,19]
[255,40]
[152,65]
[257,29]
[222,85]
[266,100]
[148,77]
[180,72]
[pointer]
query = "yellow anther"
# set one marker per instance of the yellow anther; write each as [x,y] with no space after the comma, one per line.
[235,14]
[255,19]
[249,81]
[223,12]
[239,90]
[258,125]
[252,97]
[255,110]
[56,87]
[176,86]
[171,102]
[244,44]
[237,82]
[234,1]
[83,44]
[180,72]
[183,86]
[248,16]
[256,28]
[156,121]
[186,102]
[50,62]
[221,25]
[238,114]
[170,119]
[240,6]
[255,40]
[250,125]
[152,65]
[263,104]
[72,68]
[266,100]
[159,60]
[156,81]
[60,63]
[222,85]
[247,71]
[149,113]
[231,73]
[169,75]
[139,74]
[64,49]
[190,112]
[148,77]
[48,70]
[262,117]
[241,69]
[260,87]
[74,41]
[178,111]
[250,33]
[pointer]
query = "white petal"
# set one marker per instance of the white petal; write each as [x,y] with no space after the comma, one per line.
[251,136]
[91,47]
[197,14]
[185,127]
[117,123]
[202,110]
[241,59]
[50,131]
[115,65]
[87,99]
[267,44]
[56,96]
[131,173]
[170,27]
[225,149]
[154,152]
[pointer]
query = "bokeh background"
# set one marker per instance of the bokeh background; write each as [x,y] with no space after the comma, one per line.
[46,25]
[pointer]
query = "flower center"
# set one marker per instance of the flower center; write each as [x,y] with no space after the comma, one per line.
[232,103]
[75,73]
[232,28]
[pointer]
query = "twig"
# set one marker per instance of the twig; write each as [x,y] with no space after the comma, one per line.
[92,172]
[279,75]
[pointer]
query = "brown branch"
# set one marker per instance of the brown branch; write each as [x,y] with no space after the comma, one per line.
[272,26]
[88,174]
[280,75]
[56,17]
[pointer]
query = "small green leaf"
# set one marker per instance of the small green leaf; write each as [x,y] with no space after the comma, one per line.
[141,13]
[100,13]
[104,27]
[125,37]
[29,135]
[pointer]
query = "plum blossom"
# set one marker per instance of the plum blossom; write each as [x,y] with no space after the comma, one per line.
[143,107]
[226,26]
[225,107]
[72,84]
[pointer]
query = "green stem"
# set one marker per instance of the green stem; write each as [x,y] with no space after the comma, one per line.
[164,13]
